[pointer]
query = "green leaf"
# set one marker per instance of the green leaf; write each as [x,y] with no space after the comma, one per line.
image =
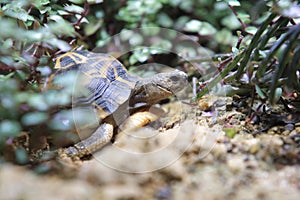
[5,77]
[60,27]
[62,45]
[136,39]
[225,37]
[60,12]
[42,2]
[140,55]
[231,22]
[207,29]
[62,121]
[74,9]
[233,2]
[18,13]
[10,85]
[193,26]
[251,29]
[8,101]
[203,28]
[9,128]
[277,95]
[94,1]
[37,101]
[244,17]
[34,118]
[41,6]
[77,1]
[234,50]
[133,60]
[44,10]
[180,22]
[161,47]
[186,5]
[230,132]
[164,20]
[92,27]
[21,156]
[150,31]
[126,34]
[259,92]
[52,100]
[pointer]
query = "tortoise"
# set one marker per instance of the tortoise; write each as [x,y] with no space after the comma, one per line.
[120,99]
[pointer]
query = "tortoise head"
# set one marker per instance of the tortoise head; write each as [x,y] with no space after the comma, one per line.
[151,90]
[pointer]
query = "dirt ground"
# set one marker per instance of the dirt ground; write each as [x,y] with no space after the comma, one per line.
[189,157]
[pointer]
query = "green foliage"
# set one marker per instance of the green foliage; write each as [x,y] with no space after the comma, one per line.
[199,19]
[230,131]
[31,33]
[268,60]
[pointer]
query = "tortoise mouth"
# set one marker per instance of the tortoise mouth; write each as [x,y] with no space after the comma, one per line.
[162,87]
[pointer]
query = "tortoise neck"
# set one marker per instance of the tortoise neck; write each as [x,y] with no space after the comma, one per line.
[148,91]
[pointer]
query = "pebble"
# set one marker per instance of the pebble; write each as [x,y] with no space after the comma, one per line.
[254,148]
[286,132]
[296,138]
[289,127]
[163,193]
[236,164]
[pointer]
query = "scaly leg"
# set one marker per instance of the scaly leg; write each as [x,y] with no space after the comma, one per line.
[91,144]
[138,120]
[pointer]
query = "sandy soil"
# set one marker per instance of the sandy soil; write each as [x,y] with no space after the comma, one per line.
[190,158]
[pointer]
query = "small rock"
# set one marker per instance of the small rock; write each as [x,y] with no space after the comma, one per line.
[236,164]
[289,127]
[254,148]
[163,193]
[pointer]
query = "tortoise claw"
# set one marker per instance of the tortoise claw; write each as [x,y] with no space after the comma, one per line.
[71,151]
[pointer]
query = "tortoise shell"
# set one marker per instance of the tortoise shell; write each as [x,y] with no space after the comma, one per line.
[106,79]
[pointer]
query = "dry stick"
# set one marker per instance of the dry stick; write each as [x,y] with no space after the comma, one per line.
[239,42]
[7,68]
[82,15]
[252,102]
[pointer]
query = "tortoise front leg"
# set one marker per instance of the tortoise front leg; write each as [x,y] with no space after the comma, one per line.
[138,120]
[93,143]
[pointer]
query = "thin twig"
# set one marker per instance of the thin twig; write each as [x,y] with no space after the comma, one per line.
[244,26]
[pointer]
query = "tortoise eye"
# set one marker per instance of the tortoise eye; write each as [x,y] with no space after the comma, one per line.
[174,78]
